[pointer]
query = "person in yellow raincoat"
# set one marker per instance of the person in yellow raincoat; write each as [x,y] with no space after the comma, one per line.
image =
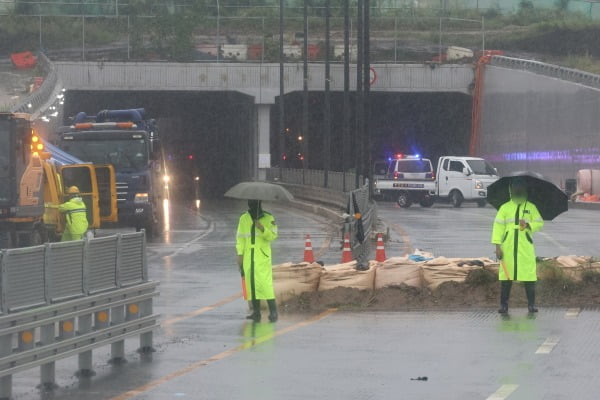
[76,223]
[256,230]
[515,223]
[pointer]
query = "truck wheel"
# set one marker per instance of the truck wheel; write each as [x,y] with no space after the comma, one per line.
[426,201]
[404,200]
[481,203]
[456,198]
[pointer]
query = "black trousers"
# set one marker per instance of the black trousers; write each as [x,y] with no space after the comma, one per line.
[505,287]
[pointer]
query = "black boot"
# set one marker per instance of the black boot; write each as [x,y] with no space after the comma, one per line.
[272,310]
[530,292]
[255,316]
[504,296]
[250,311]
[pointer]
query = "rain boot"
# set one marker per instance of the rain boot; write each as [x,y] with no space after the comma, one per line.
[530,292]
[255,316]
[504,296]
[272,310]
[250,311]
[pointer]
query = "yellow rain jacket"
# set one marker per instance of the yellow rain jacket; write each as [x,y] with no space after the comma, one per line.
[517,245]
[76,223]
[258,269]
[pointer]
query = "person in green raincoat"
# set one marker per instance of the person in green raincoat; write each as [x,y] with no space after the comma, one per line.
[515,223]
[76,223]
[256,230]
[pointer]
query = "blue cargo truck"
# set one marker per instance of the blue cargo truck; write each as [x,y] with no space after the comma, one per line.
[129,142]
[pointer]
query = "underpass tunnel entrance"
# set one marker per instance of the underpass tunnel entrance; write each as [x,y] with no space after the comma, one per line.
[206,137]
[429,124]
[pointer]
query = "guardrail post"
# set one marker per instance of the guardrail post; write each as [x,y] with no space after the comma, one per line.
[117,349]
[84,323]
[146,339]
[5,381]
[47,371]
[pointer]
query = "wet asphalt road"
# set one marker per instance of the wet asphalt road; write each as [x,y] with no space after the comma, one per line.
[206,350]
[466,231]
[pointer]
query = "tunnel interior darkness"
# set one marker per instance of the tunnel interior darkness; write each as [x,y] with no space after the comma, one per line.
[430,124]
[203,134]
[210,134]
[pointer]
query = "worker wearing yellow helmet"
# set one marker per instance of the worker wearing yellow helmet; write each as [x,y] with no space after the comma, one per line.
[76,223]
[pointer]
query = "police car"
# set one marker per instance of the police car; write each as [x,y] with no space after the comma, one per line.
[409,179]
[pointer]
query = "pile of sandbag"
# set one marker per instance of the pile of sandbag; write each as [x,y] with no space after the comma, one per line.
[346,275]
[291,280]
[442,269]
[574,266]
[397,271]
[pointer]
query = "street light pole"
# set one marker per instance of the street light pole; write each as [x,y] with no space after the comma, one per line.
[282,154]
[327,110]
[305,96]
[218,30]
[346,112]
[359,95]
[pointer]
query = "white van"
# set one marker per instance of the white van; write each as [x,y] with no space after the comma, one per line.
[462,179]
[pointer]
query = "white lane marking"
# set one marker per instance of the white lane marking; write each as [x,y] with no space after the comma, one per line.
[548,345]
[503,392]
[556,243]
[572,313]
[210,230]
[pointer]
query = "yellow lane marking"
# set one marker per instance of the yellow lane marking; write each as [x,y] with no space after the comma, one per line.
[572,313]
[200,311]
[203,363]
[548,345]
[503,392]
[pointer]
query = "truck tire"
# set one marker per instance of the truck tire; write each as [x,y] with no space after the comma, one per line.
[456,198]
[481,203]
[426,201]
[404,200]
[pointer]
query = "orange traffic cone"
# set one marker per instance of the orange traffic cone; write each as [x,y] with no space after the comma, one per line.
[380,250]
[308,251]
[347,252]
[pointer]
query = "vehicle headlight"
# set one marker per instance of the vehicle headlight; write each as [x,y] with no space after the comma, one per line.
[141,198]
[478,185]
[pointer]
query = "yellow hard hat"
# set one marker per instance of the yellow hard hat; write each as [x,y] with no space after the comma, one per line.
[73,190]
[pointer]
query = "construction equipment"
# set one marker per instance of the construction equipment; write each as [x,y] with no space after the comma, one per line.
[33,181]
[129,142]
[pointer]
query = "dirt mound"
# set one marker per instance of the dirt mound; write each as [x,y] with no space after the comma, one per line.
[480,289]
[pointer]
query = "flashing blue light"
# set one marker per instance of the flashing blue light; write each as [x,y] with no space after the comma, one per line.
[418,155]
[389,158]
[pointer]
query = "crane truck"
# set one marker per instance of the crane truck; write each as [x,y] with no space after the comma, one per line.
[129,142]
[34,177]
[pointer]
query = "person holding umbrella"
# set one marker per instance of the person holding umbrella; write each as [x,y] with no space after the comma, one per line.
[256,230]
[523,201]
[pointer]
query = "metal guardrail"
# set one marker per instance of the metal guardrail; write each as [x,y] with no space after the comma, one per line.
[35,101]
[309,185]
[92,292]
[555,71]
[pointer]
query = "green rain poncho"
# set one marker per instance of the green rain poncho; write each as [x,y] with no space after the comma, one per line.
[517,244]
[259,274]
[75,217]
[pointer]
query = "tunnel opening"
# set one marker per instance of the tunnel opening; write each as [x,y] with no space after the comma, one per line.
[429,124]
[206,137]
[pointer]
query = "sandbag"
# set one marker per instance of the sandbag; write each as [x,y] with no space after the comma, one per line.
[398,271]
[573,266]
[346,275]
[290,280]
[435,275]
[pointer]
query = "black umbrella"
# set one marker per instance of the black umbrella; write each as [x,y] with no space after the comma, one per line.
[550,200]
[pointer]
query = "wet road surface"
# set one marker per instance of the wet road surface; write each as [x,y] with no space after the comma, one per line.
[205,348]
[467,231]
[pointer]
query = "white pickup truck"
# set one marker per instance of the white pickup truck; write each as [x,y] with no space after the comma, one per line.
[411,179]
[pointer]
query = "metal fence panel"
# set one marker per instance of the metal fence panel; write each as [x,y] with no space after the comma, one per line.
[101,264]
[64,270]
[131,261]
[23,280]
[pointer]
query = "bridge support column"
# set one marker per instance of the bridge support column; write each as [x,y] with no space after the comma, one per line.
[263,139]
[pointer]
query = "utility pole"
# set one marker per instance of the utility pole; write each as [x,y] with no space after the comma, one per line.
[327,109]
[305,96]
[359,95]
[282,155]
[366,91]
[346,111]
